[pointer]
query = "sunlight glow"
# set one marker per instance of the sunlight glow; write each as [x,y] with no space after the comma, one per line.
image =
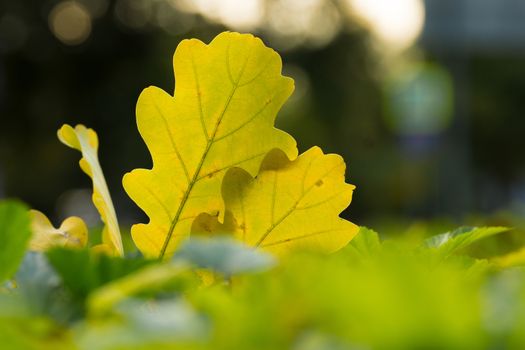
[240,15]
[397,23]
[289,22]
[316,22]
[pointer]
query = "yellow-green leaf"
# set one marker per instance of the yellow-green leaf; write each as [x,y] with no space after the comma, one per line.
[72,232]
[449,243]
[222,115]
[516,258]
[290,204]
[86,141]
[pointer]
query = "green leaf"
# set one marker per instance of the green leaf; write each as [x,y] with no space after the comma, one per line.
[145,279]
[221,115]
[42,291]
[15,233]
[82,271]
[365,244]
[12,305]
[223,255]
[145,325]
[319,341]
[451,242]
[13,338]
[86,141]
[289,205]
[512,259]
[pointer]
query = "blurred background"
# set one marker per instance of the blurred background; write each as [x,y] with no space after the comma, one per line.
[424,99]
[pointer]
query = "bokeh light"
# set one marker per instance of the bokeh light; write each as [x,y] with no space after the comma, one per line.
[70,22]
[240,15]
[310,22]
[289,23]
[396,23]
[419,100]
[365,82]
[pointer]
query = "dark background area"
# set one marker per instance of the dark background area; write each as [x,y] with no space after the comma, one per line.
[430,127]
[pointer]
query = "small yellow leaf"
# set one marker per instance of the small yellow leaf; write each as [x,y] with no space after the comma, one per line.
[73,232]
[86,141]
[513,259]
[221,115]
[289,205]
[102,249]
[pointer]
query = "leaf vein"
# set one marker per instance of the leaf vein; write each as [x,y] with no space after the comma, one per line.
[324,201]
[154,195]
[230,165]
[274,196]
[287,240]
[199,97]
[246,122]
[173,144]
[201,163]
[266,65]
[292,208]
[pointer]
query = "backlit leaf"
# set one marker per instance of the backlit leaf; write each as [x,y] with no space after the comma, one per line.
[365,244]
[226,100]
[72,233]
[451,242]
[86,141]
[289,204]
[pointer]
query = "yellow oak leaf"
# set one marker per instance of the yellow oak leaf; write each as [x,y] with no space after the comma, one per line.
[289,205]
[221,115]
[72,233]
[86,141]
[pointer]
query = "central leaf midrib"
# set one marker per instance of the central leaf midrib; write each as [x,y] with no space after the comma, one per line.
[194,178]
[196,174]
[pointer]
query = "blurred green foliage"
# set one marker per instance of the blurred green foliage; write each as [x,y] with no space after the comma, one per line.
[372,294]
[14,235]
[414,287]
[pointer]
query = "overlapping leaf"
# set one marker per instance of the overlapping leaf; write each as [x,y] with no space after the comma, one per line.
[451,242]
[72,233]
[226,100]
[289,204]
[86,141]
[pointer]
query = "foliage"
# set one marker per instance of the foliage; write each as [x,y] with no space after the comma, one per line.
[222,114]
[86,141]
[73,232]
[223,174]
[450,242]
[288,205]
[14,236]
[371,294]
